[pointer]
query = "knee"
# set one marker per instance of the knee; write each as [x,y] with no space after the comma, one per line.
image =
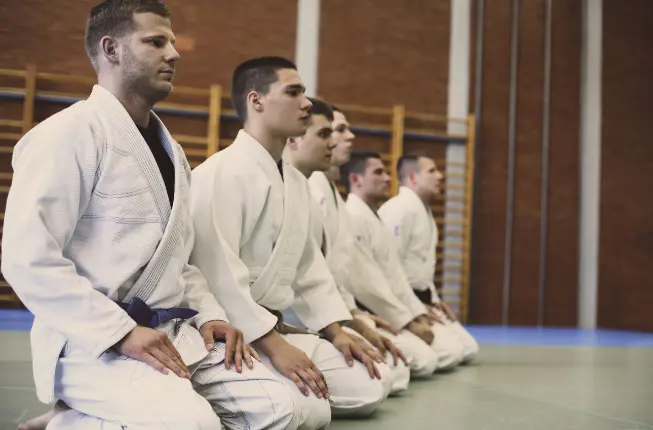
[311,413]
[400,379]
[387,376]
[195,413]
[274,409]
[425,363]
[360,397]
[449,357]
[471,351]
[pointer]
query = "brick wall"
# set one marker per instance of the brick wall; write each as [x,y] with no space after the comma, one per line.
[214,35]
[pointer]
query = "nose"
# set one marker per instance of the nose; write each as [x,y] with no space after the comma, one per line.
[306,104]
[350,135]
[386,177]
[172,56]
[440,176]
[331,144]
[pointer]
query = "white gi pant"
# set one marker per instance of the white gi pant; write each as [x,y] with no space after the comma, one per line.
[115,392]
[352,392]
[422,359]
[470,346]
[446,344]
[395,379]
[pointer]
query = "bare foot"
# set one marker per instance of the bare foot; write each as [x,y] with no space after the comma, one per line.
[42,421]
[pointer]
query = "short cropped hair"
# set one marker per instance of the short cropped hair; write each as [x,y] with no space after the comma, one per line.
[357,164]
[256,74]
[408,163]
[321,108]
[115,18]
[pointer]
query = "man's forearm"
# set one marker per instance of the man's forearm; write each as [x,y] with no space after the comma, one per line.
[269,342]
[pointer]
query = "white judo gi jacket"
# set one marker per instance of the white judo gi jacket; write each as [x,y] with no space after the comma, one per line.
[339,242]
[380,284]
[254,244]
[416,236]
[89,224]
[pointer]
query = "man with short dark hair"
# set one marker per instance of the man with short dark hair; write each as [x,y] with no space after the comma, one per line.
[409,219]
[96,241]
[251,212]
[310,154]
[368,185]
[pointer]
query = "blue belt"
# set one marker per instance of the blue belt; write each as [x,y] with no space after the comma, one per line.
[145,316]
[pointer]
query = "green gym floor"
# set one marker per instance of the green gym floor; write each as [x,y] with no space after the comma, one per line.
[525,379]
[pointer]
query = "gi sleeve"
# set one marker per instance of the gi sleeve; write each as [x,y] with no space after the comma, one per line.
[369,283]
[317,302]
[220,203]
[197,295]
[55,167]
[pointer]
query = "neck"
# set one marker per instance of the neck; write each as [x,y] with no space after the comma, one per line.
[333,173]
[135,104]
[426,200]
[306,171]
[369,201]
[273,144]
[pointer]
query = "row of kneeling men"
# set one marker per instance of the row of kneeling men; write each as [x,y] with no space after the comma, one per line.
[244,293]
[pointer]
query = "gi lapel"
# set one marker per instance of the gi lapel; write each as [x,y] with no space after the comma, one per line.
[172,239]
[124,126]
[281,267]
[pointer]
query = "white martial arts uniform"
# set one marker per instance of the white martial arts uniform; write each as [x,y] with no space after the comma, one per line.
[332,234]
[378,246]
[374,289]
[89,225]
[416,237]
[254,246]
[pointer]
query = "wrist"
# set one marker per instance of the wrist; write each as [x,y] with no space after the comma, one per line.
[269,342]
[331,331]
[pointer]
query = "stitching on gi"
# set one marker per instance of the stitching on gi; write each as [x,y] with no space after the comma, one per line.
[274,411]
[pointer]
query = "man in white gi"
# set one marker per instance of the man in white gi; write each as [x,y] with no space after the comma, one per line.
[312,153]
[96,238]
[395,300]
[354,275]
[409,218]
[251,213]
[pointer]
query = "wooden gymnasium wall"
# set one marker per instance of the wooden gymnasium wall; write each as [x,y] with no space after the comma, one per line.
[513,290]
[626,241]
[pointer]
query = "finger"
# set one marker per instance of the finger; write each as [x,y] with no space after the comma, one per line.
[311,380]
[239,352]
[174,354]
[320,380]
[230,348]
[323,385]
[154,363]
[172,347]
[209,340]
[371,368]
[254,354]
[381,348]
[348,356]
[369,363]
[377,372]
[164,357]
[375,354]
[298,381]
[247,357]
[395,356]
[366,359]
[402,356]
